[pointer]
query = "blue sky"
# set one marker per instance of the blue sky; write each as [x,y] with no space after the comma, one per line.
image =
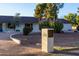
[27,9]
[68,8]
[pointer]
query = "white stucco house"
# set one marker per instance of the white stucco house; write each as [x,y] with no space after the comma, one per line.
[8,23]
[67,26]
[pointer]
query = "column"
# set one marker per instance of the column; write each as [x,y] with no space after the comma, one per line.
[47,40]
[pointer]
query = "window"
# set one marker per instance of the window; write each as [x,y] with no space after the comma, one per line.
[11,26]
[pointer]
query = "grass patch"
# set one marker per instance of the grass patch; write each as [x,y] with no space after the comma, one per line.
[59,48]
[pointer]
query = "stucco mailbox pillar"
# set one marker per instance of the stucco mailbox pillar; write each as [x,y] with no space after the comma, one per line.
[47,40]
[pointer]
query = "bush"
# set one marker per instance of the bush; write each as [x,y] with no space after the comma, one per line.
[78,28]
[44,24]
[56,25]
[27,30]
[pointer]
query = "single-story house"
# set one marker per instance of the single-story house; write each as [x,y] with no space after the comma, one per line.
[67,27]
[8,23]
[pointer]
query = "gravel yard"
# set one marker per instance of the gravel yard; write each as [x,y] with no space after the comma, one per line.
[68,42]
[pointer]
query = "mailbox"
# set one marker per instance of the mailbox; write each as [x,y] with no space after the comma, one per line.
[50,32]
[47,39]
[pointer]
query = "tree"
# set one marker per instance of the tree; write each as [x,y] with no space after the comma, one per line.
[78,10]
[77,19]
[71,18]
[17,16]
[47,10]
[51,11]
[39,10]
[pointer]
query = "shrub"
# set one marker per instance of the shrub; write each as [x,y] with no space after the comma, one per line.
[27,30]
[56,25]
[78,28]
[44,24]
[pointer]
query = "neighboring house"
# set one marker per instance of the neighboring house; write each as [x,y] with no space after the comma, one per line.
[8,23]
[67,26]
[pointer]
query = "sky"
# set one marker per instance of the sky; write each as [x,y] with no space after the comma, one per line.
[27,9]
[68,8]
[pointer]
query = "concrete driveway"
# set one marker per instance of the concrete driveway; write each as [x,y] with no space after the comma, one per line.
[10,48]
[4,35]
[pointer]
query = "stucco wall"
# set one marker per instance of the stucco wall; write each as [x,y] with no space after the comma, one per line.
[4,27]
[67,27]
[21,26]
[35,28]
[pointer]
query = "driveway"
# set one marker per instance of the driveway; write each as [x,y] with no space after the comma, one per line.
[64,43]
[5,35]
[66,39]
[60,39]
[10,48]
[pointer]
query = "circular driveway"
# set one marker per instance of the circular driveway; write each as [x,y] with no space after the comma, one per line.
[10,48]
[5,35]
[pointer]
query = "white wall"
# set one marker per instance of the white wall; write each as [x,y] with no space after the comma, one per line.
[21,26]
[67,27]
[4,27]
[35,28]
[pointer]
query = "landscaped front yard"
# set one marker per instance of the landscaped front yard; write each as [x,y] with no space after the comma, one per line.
[64,44]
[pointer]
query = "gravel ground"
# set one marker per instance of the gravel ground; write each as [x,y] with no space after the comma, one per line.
[10,48]
[70,42]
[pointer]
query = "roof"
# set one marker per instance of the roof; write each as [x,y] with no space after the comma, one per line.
[62,21]
[58,20]
[10,19]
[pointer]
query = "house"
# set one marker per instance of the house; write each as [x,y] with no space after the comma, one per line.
[8,23]
[67,27]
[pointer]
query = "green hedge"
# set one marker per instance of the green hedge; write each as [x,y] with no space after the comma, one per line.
[44,24]
[56,25]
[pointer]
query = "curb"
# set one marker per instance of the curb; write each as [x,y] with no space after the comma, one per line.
[14,39]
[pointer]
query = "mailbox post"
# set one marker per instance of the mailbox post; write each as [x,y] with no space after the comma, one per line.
[47,40]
